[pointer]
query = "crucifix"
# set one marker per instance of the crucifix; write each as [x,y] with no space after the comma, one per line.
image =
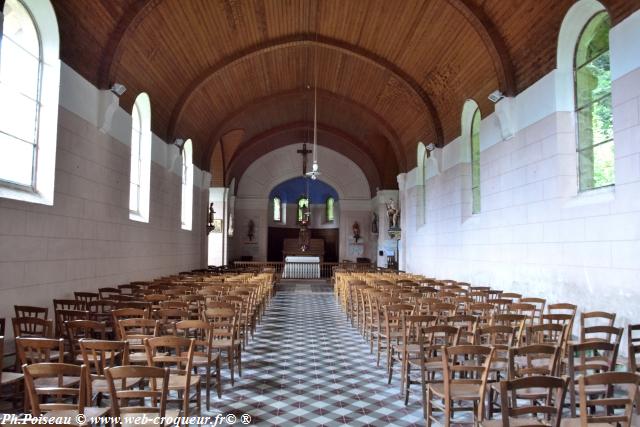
[304,153]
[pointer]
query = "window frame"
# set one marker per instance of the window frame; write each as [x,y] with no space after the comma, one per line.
[326,210]
[186,206]
[476,206]
[41,189]
[578,108]
[299,213]
[425,178]
[276,200]
[141,106]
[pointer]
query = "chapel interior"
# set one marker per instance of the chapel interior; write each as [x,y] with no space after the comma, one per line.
[320,212]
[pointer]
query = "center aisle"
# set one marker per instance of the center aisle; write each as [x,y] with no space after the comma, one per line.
[308,366]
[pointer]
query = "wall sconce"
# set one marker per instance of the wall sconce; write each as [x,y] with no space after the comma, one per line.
[118,89]
[495,96]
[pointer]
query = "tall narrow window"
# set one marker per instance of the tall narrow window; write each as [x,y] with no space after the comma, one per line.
[596,151]
[187,185]
[329,209]
[140,175]
[475,161]
[303,208]
[29,90]
[425,177]
[277,209]
[20,67]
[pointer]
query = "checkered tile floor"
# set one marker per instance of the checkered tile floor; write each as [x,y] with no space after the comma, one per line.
[308,366]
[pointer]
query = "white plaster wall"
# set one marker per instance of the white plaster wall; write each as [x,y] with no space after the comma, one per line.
[86,240]
[536,235]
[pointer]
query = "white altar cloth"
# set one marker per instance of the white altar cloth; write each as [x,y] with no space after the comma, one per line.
[301,267]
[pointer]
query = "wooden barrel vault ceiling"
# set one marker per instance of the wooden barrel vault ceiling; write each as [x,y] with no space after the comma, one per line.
[237,76]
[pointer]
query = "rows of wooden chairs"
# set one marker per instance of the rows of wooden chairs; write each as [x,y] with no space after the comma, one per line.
[483,350]
[183,324]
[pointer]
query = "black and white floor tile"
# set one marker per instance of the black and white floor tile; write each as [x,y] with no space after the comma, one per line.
[308,366]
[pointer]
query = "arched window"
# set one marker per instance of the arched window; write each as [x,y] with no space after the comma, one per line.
[425,177]
[187,185]
[29,86]
[277,209]
[596,155]
[303,208]
[329,208]
[475,161]
[140,177]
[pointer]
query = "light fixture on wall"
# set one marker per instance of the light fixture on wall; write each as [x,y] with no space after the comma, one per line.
[430,147]
[495,96]
[118,88]
[179,142]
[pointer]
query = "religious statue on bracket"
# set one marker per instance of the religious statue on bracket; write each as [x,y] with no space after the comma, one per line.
[356,231]
[374,224]
[251,230]
[394,219]
[211,226]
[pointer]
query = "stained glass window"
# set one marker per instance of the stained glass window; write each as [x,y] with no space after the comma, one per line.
[303,208]
[329,207]
[277,209]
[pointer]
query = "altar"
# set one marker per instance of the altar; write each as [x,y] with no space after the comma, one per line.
[299,264]
[301,267]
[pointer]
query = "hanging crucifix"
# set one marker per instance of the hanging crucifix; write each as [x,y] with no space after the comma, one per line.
[304,153]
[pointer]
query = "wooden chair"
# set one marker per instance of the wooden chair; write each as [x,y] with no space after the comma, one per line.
[425,340]
[128,313]
[135,331]
[204,356]
[30,350]
[14,379]
[589,357]
[79,329]
[467,325]
[465,371]
[167,317]
[527,361]
[225,335]
[594,324]
[156,391]
[69,399]
[32,327]
[101,311]
[539,303]
[545,411]
[515,321]
[633,348]
[180,361]
[31,311]
[393,333]
[619,390]
[67,315]
[106,293]
[99,355]
[86,297]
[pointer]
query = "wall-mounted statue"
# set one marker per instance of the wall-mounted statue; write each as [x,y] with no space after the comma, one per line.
[210,216]
[374,223]
[356,231]
[393,213]
[251,229]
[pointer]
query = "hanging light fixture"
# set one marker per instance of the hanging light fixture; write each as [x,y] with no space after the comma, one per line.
[314,173]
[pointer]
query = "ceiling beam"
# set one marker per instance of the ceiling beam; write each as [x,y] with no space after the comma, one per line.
[304,39]
[386,130]
[265,142]
[492,40]
[112,52]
